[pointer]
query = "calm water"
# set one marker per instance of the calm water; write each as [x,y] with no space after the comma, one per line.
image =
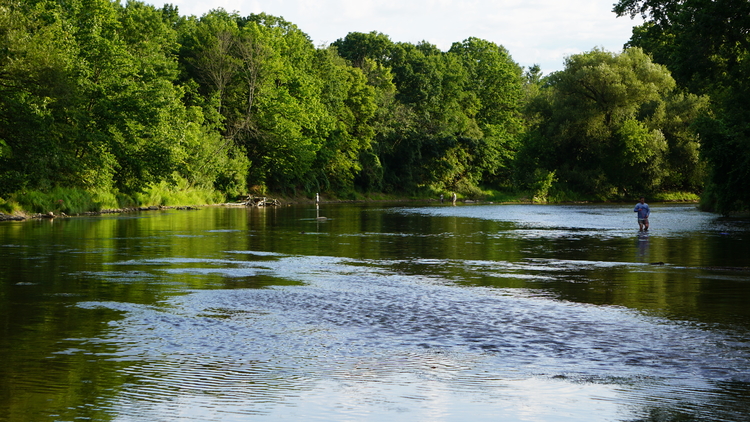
[381,313]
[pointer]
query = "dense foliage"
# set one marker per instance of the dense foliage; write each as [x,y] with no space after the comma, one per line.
[100,96]
[117,99]
[611,126]
[450,120]
[706,46]
[88,99]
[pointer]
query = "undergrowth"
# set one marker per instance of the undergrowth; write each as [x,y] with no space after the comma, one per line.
[77,201]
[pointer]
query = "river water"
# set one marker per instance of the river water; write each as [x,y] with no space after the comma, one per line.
[378,313]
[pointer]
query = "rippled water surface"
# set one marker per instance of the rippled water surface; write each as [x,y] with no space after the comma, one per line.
[381,313]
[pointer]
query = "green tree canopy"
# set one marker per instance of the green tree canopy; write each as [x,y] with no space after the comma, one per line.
[356,47]
[90,99]
[706,44]
[448,120]
[612,124]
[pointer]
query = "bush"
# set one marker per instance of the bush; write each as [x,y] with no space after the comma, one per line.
[542,182]
[178,194]
[59,200]
[76,201]
[9,207]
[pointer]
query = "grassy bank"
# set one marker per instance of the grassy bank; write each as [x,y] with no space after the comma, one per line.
[71,201]
[77,201]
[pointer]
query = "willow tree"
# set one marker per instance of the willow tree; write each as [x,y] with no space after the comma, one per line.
[706,44]
[611,125]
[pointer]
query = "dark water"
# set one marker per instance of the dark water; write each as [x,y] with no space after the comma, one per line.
[381,313]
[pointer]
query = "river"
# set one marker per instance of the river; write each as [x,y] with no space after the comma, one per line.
[377,312]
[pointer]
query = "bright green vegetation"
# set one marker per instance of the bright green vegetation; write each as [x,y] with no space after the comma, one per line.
[706,46]
[611,126]
[105,105]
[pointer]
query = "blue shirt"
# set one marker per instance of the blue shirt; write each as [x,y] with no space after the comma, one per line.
[642,210]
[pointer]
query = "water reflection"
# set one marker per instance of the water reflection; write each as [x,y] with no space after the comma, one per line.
[418,313]
[642,245]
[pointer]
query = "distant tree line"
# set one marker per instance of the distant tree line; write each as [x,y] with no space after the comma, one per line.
[102,96]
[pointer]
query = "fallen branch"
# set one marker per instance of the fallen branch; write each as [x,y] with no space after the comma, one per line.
[252,201]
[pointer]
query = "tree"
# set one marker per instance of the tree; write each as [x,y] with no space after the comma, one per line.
[37,88]
[356,47]
[435,112]
[446,120]
[610,125]
[495,81]
[351,104]
[706,44]
[89,100]
[290,119]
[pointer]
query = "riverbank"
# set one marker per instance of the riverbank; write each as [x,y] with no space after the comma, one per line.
[22,216]
[63,208]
